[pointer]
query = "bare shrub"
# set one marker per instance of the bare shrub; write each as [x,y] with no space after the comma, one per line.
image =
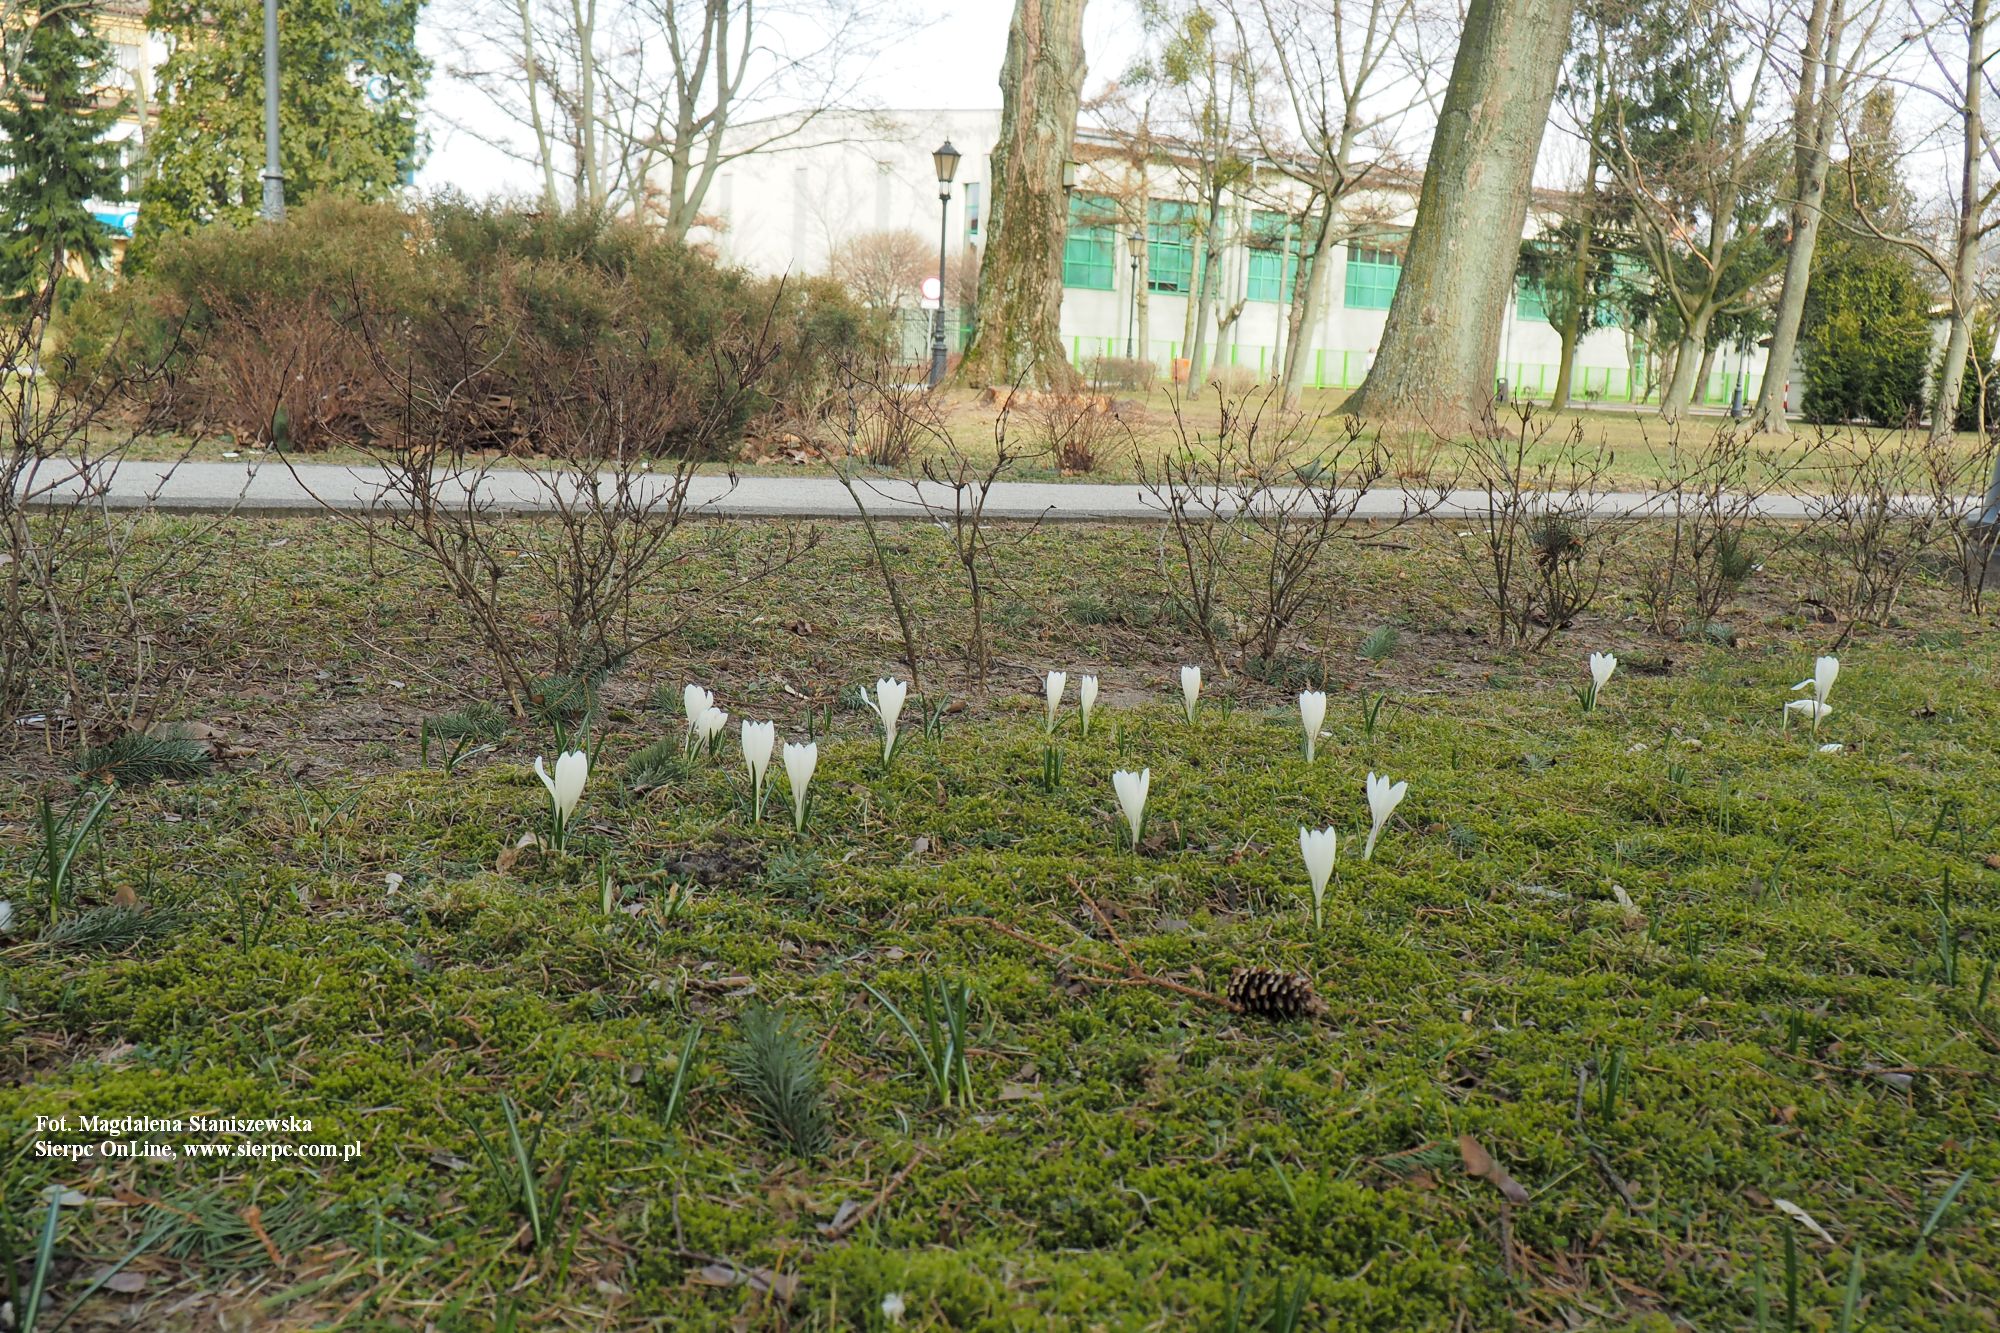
[1879,502]
[100,627]
[1130,374]
[1252,513]
[884,269]
[1713,489]
[1234,381]
[890,413]
[1073,430]
[574,596]
[1540,545]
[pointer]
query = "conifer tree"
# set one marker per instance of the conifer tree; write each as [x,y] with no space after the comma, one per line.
[57,102]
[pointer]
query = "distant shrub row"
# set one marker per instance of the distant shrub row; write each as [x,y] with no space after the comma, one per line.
[460,327]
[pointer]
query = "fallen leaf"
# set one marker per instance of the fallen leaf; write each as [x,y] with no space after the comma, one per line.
[1480,1163]
[1804,1218]
[841,1218]
[126,898]
[1019,1092]
[124,1280]
[724,1274]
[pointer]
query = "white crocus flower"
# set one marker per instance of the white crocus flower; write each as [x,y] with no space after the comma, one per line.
[1312,716]
[759,739]
[1318,846]
[708,731]
[694,702]
[1052,693]
[1832,747]
[1190,690]
[565,788]
[1086,702]
[1813,709]
[888,706]
[6,916]
[800,761]
[1132,789]
[1383,798]
[892,1307]
[1601,667]
[1826,670]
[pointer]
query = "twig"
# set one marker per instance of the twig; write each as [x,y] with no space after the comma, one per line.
[840,1230]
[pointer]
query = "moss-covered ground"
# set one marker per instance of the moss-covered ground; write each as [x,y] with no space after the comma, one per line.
[1720,1004]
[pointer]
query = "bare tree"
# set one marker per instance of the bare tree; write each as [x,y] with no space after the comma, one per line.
[637,104]
[1349,73]
[1695,170]
[884,269]
[1836,51]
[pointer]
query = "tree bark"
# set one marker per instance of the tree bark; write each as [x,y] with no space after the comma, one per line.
[1691,363]
[1020,280]
[1814,111]
[1436,359]
[1951,375]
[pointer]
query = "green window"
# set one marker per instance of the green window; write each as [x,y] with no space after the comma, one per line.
[1169,246]
[1529,303]
[1274,257]
[1374,263]
[1090,253]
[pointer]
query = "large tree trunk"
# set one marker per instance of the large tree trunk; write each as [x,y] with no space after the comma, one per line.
[1020,279]
[1435,362]
[1813,112]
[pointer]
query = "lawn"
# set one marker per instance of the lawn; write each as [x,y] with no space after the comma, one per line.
[1653,1016]
[1639,451]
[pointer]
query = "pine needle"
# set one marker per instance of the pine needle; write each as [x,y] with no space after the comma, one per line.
[134,760]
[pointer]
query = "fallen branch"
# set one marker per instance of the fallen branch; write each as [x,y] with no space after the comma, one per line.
[1107,974]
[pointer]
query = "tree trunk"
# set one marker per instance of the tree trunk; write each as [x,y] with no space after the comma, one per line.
[1204,297]
[1306,296]
[1813,112]
[1435,362]
[1689,361]
[1699,393]
[1020,279]
[1951,375]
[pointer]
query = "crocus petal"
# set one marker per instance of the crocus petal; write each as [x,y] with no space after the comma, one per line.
[543,774]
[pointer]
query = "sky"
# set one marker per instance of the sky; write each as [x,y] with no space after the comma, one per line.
[949,58]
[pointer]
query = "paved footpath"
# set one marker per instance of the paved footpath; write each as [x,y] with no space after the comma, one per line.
[270,487]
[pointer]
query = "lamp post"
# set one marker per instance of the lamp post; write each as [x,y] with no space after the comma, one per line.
[274,178]
[1736,395]
[946,158]
[1136,242]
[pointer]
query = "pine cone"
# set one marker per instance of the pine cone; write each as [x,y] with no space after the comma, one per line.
[1269,993]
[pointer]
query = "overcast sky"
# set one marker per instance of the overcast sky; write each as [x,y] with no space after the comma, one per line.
[950,62]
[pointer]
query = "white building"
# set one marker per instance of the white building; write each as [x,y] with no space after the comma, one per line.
[788,208]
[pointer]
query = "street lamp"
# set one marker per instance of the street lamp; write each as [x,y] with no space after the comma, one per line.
[1136,242]
[946,158]
[274,176]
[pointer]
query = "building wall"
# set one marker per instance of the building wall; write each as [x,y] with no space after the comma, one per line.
[788,207]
